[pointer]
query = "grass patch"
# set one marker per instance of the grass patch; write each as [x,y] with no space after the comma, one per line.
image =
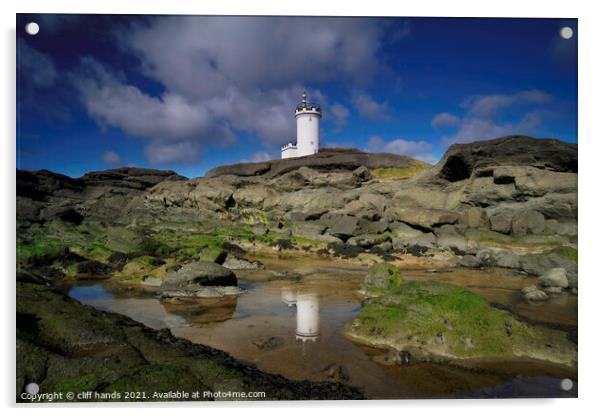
[400,173]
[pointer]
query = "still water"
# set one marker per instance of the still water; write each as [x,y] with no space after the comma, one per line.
[293,327]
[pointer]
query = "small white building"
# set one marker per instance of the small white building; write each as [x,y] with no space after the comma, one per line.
[308,117]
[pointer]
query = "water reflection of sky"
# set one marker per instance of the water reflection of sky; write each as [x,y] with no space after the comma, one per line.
[90,293]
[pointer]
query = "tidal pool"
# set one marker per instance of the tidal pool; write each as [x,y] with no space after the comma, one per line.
[293,327]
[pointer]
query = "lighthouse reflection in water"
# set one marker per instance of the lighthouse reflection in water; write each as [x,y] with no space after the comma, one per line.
[308,314]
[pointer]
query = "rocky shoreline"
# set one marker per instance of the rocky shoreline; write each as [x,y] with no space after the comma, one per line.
[507,203]
[65,346]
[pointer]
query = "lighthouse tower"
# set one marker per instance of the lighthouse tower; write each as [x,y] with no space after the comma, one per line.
[308,117]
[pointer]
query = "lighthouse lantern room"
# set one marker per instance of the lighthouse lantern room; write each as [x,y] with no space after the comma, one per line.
[308,117]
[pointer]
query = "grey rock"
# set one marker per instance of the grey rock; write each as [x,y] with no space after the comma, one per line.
[555,227]
[492,257]
[203,273]
[528,222]
[470,261]
[554,277]
[152,281]
[404,231]
[368,240]
[381,277]
[448,237]
[426,219]
[238,263]
[372,227]
[424,240]
[363,173]
[553,290]
[202,292]
[501,221]
[533,294]
[340,225]
[538,264]
[475,217]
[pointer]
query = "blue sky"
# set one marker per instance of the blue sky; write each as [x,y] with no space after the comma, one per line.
[190,93]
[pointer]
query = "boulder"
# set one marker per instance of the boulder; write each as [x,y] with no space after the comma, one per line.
[449,238]
[426,219]
[470,261]
[474,217]
[555,227]
[340,225]
[553,290]
[528,222]
[363,174]
[492,257]
[380,278]
[533,294]
[501,221]
[539,263]
[404,231]
[372,227]
[554,277]
[423,241]
[238,263]
[203,273]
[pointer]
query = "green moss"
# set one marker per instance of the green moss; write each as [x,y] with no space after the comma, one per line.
[381,277]
[98,251]
[302,241]
[568,252]
[139,267]
[87,382]
[451,321]
[400,173]
[157,378]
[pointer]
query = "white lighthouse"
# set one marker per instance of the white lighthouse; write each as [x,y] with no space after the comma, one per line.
[308,117]
[308,317]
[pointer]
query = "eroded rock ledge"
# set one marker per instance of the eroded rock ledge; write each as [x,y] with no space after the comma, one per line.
[63,345]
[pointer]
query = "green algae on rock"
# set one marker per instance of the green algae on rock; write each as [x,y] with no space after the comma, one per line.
[441,322]
[65,346]
[381,277]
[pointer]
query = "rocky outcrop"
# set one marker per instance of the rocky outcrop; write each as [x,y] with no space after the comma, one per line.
[201,273]
[44,195]
[514,186]
[325,160]
[436,321]
[64,346]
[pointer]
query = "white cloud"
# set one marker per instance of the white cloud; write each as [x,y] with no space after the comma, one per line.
[36,65]
[369,107]
[226,74]
[492,105]
[111,158]
[445,120]
[167,120]
[421,149]
[200,56]
[484,116]
[340,115]
[186,152]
